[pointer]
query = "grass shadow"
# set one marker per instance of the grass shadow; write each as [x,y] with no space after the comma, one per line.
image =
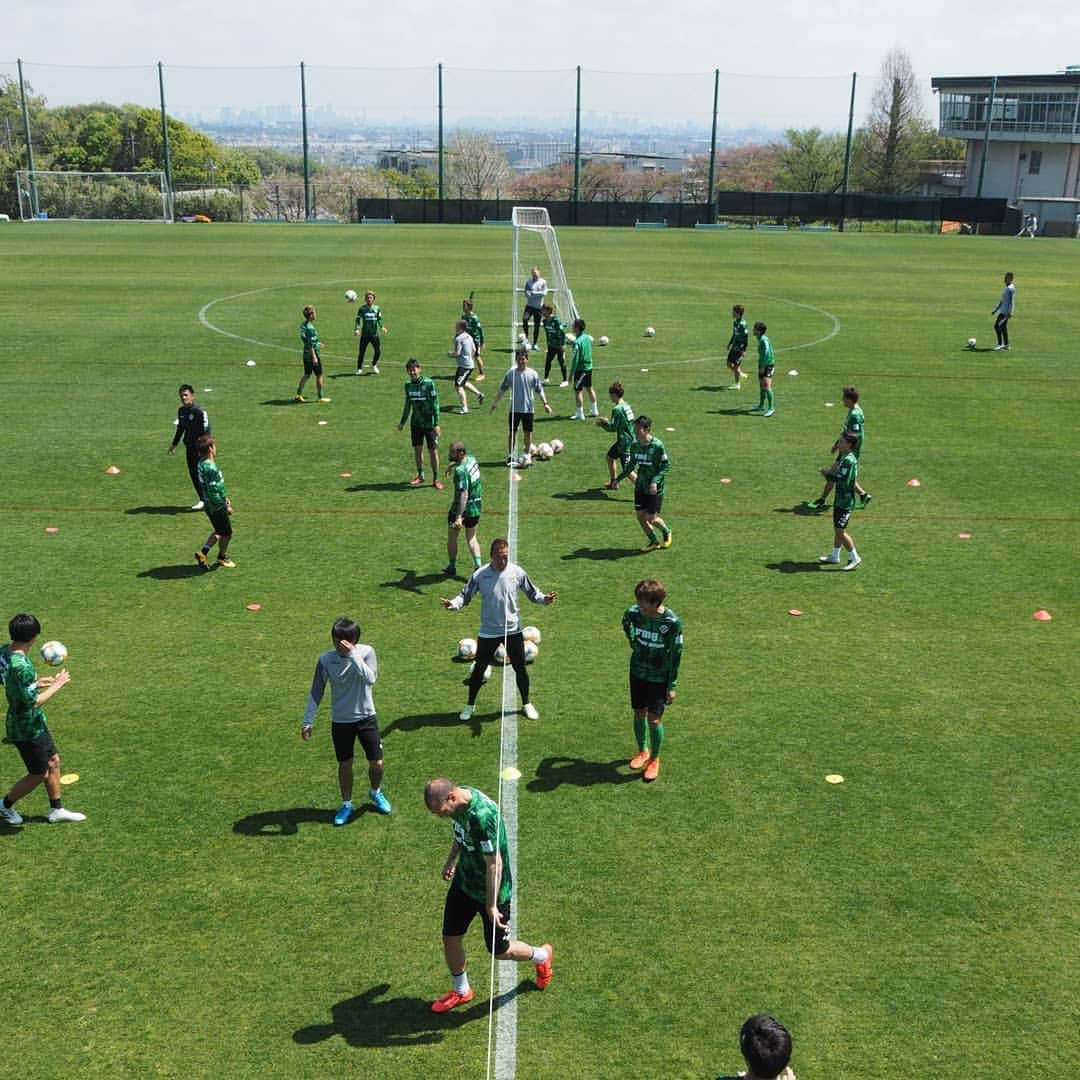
[172,573]
[800,510]
[557,770]
[286,401]
[412,582]
[401,1021]
[441,720]
[402,485]
[287,822]
[588,495]
[789,567]
[604,554]
[712,389]
[745,411]
[164,511]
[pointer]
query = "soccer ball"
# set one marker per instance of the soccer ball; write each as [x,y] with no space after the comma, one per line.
[487,670]
[544,451]
[603,339]
[466,648]
[53,653]
[350,296]
[524,461]
[522,340]
[557,446]
[531,633]
[500,654]
[971,343]
[531,651]
[650,331]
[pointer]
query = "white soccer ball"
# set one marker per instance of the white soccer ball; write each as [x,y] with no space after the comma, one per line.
[531,651]
[524,461]
[487,670]
[531,633]
[544,451]
[650,331]
[350,296]
[557,446]
[54,653]
[466,648]
[500,653]
[603,339]
[971,343]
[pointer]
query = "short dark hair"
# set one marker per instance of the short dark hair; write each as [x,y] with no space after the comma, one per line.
[651,590]
[457,447]
[850,393]
[186,386]
[498,542]
[766,1045]
[411,363]
[345,630]
[435,791]
[616,388]
[204,443]
[738,309]
[24,627]
[644,422]
[760,328]
[579,324]
[309,312]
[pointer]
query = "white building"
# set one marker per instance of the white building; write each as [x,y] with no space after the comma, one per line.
[1033,145]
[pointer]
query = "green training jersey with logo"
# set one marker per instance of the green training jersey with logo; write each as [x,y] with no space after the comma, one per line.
[473,327]
[467,479]
[847,472]
[652,463]
[765,356]
[655,645]
[555,331]
[310,337]
[740,335]
[25,718]
[212,485]
[622,423]
[479,832]
[368,320]
[582,353]
[853,425]
[422,399]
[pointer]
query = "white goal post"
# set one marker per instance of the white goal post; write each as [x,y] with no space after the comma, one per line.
[535,244]
[46,195]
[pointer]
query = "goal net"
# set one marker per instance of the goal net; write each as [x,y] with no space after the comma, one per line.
[93,196]
[535,244]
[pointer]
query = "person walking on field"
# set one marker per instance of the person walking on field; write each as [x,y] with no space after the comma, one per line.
[1004,310]
[367,327]
[478,870]
[309,336]
[191,422]
[422,400]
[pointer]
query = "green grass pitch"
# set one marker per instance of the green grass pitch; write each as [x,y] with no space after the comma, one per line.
[208,921]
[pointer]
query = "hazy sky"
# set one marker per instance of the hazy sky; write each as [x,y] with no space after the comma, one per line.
[782,63]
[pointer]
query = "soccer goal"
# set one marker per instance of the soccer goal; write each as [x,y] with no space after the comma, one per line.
[93,196]
[535,244]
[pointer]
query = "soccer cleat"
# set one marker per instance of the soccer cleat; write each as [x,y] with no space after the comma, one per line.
[768,412]
[375,369]
[299,397]
[451,1001]
[481,396]
[437,485]
[652,770]
[200,558]
[61,813]
[480,377]
[611,485]
[463,411]
[535,348]
[998,348]
[530,711]
[853,562]
[816,504]
[227,563]
[416,481]
[10,815]
[325,400]
[565,383]
[359,371]
[544,970]
[744,375]
[578,416]
[652,545]
[198,506]
[865,501]
[593,414]
[343,815]
[382,803]
[757,408]
[510,462]
[828,558]
[666,542]
[466,712]
[450,569]
[640,760]
[735,386]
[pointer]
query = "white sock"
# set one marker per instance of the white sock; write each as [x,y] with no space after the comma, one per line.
[347,802]
[853,556]
[461,982]
[835,553]
[540,956]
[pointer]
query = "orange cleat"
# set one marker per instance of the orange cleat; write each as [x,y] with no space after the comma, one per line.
[544,970]
[639,760]
[453,1000]
[652,770]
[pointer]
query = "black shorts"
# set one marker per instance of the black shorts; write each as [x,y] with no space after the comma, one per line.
[621,456]
[531,313]
[583,380]
[649,503]
[220,521]
[470,521]
[36,753]
[841,515]
[766,372]
[312,364]
[421,435]
[459,911]
[364,732]
[522,419]
[463,375]
[734,357]
[515,650]
[650,696]
[556,352]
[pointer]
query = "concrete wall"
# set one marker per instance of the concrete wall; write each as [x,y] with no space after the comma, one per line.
[1007,176]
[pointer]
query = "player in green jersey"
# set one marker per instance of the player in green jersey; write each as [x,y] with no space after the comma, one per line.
[622,423]
[478,870]
[218,505]
[422,400]
[312,357]
[464,507]
[25,727]
[656,639]
[555,335]
[651,463]
[737,343]
[766,1048]
[367,327]
[475,329]
[854,422]
[766,365]
[844,473]
[581,370]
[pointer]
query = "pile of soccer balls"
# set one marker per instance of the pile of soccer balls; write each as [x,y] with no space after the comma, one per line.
[544,452]
[466,650]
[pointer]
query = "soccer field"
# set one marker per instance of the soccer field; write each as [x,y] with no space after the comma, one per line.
[207,920]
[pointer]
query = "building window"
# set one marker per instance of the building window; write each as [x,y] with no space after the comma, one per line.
[1034,162]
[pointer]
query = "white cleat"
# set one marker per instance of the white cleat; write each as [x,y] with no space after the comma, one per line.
[198,506]
[852,563]
[530,711]
[466,713]
[10,815]
[828,558]
[61,813]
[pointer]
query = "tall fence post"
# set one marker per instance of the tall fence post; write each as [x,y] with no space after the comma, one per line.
[165,151]
[986,135]
[29,145]
[442,150]
[847,152]
[712,145]
[577,145]
[303,128]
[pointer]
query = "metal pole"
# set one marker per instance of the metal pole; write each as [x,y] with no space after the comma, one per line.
[307,162]
[986,135]
[577,146]
[29,145]
[442,149]
[847,153]
[165,153]
[712,149]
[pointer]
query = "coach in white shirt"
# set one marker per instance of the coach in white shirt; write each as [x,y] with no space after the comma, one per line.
[522,382]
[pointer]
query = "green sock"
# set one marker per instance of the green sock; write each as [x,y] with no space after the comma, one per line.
[761,397]
[667,532]
[651,537]
[420,473]
[477,562]
[656,739]
[769,398]
[639,732]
